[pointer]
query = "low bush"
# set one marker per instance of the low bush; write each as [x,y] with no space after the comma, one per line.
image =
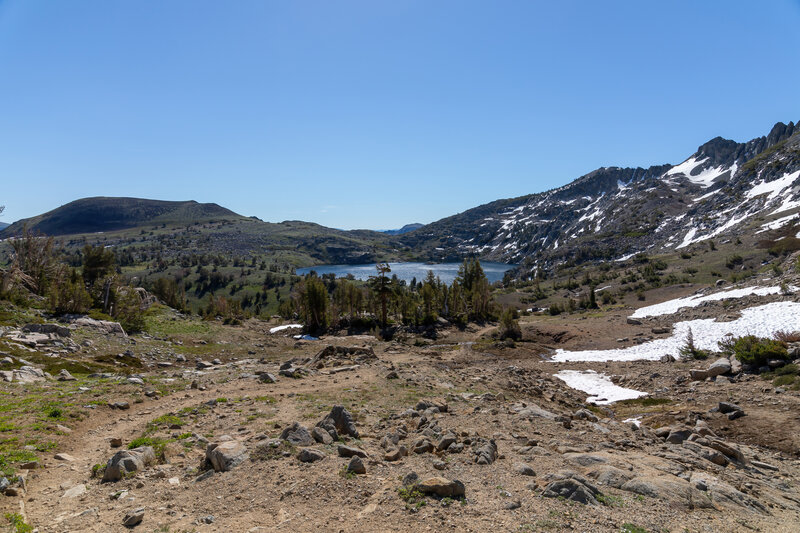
[754,350]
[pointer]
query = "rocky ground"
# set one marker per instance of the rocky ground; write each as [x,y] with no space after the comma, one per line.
[214,428]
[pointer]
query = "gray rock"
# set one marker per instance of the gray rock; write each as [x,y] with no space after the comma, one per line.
[310,455]
[133,518]
[442,487]
[698,375]
[667,358]
[266,377]
[677,436]
[356,465]
[64,375]
[47,329]
[524,469]
[395,454]
[349,451]
[634,321]
[585,414]
[719,367]
[342,421]
[422,445]
[127,462]
[571,489]
[411,479]
[610,476]
[226,455]
[485,452]
[321,436]
[297,435]
[446,441]
[584,459]
[727,407]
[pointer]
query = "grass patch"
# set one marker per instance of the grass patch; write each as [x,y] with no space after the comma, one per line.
[158,444]
[645,401]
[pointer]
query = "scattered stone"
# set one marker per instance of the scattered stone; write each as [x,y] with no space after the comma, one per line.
[310,455]
[127,462]
[572,489]
[349,451]
[585,414]
[698,375]
[524,469]
[677,436]
[297,435]
[321,436]
[356,465]
[396,454]
[203,365]
[634,321]
[64,375]
[667,358]
[422,445]
[115,442]
[74,492]
[439,464]
[63,457]
[119,405]
[485,452]
[266,377]
[719,367]
[514,504]
[133,518]
[444,488]
[226,455]
[341,420]
[764,466]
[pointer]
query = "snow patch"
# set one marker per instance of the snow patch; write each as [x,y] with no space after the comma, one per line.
[282,328]
[673,306]
[762,321]
[602,390]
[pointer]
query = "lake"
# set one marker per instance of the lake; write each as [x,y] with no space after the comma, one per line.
[407,271]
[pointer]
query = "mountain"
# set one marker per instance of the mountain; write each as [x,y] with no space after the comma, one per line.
[177,229]
[405,229]
[723,188]
[100,214]
[3,225]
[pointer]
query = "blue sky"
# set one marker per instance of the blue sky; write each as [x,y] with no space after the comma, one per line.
[373,114]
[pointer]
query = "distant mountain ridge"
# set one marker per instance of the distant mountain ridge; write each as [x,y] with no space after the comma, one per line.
[405,229]
[92,215]
[3,225]
[723,188]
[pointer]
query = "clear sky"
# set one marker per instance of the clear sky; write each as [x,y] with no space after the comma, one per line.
[372,113]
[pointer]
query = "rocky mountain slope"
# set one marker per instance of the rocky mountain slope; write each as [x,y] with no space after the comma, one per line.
[725,187]
[90,215]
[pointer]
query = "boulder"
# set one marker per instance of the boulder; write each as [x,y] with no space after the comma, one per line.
[297,435]
[64,375]
[524,469]
[610,476]
[341,420]
[698,375]
[396,454]
[321,436]
[677,436]
[444,488]
[103,326]
[226,455]
[446,441]
[719,367]
[668,488]
[356,465]
[48,329]
[485,452]
[572,489]
[349,451]
[127,462]
[133,518]
[422,445]
[310,455]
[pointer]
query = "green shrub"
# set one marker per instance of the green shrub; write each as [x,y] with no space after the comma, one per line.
[754,350]
[509,327]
